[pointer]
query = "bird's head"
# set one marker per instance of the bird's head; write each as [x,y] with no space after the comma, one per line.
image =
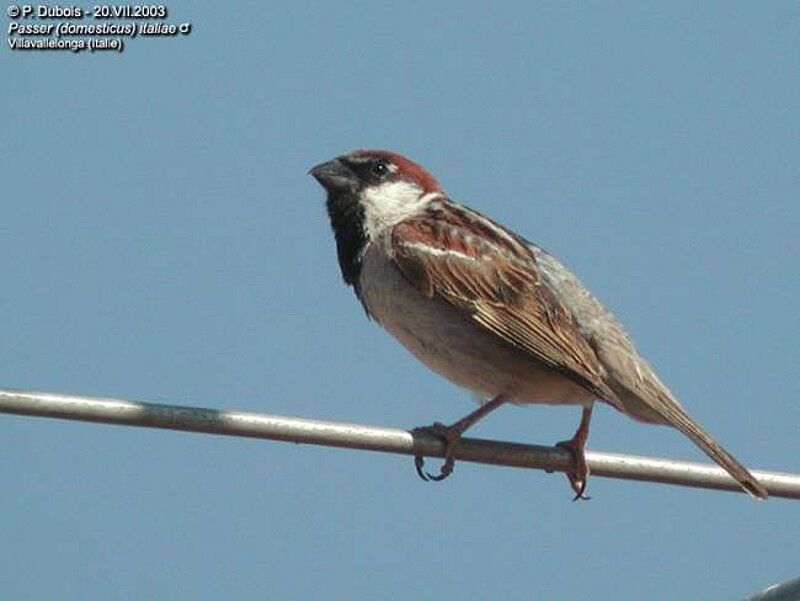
[381,185]
[370,191]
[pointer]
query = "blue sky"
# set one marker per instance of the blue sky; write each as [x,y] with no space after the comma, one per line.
[161,241]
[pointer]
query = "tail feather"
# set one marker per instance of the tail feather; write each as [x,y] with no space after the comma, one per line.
[646,399]
[680,419]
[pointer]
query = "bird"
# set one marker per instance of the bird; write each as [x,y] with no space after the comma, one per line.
[489,310]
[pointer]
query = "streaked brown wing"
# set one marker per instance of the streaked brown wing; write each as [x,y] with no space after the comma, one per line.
[497,285]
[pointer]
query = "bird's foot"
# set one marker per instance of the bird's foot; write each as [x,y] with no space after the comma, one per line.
[450,436]
[578,478]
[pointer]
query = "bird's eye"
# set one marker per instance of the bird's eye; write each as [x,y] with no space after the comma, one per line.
[380,168]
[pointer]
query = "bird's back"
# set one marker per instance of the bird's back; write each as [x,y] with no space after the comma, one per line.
[627,373]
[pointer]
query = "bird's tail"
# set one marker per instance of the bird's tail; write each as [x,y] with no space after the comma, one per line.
[680,419]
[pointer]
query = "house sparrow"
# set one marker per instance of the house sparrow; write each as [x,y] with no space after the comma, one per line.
[487,309]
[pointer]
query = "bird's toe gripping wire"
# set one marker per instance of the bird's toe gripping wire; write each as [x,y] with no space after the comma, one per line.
[577,445]
[450,435]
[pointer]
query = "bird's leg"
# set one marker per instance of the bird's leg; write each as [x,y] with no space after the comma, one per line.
[576,446]
[452,434]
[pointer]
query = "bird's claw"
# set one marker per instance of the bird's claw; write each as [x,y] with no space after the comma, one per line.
[450,437]
[578,478]
[444,471]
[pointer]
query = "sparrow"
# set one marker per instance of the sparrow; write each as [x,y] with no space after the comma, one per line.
[487,309]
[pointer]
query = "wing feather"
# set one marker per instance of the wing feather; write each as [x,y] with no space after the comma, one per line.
[498,286]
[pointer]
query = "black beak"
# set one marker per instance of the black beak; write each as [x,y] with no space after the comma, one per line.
[335,176]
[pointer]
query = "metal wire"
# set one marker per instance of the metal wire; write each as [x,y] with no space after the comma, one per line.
[784,591]
[389,440]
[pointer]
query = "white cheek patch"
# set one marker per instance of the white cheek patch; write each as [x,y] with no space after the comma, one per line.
[389,203]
